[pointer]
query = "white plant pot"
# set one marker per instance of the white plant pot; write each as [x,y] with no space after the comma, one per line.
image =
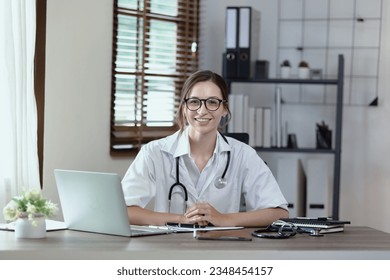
[303,73]
[24,228]
[285,72]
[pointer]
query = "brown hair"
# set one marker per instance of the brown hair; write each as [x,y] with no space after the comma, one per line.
[192,80]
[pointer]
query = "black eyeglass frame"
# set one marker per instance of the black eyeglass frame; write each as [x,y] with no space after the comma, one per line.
[204,101]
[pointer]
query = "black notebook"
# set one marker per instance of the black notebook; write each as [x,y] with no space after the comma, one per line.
[322,223]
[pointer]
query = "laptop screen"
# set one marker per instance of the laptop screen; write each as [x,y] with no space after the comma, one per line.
[92,201]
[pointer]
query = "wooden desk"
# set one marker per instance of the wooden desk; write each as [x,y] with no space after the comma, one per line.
[355,243]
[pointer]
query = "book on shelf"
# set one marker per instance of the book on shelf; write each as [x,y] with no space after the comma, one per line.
[252,126]
[267,127]
[278,120]
[232,106]
[259,127]
[256,121]
[245,114]
[239,104]
[237,118]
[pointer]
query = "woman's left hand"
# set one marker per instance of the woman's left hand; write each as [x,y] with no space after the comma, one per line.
[204,214]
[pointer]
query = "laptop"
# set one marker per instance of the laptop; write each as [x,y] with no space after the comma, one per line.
[94,202]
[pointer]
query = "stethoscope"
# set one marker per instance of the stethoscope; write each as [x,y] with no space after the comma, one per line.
[219,183]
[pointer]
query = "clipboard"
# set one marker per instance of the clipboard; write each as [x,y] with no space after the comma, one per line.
[180,227]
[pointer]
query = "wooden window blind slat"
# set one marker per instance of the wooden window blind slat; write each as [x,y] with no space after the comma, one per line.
[153,54]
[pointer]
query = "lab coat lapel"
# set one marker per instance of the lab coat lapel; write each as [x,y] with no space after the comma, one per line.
[185,179]
[220,162]
[210,179]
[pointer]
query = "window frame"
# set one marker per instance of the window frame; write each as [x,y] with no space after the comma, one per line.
[141,134]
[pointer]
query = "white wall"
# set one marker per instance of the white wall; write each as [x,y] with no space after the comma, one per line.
[78,88]
[77,113]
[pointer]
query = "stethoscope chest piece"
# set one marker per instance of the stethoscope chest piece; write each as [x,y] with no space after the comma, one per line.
[220,183]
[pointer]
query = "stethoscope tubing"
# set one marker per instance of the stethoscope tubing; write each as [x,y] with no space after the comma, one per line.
[227,165]
[179,184]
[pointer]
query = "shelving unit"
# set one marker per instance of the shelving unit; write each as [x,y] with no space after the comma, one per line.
[336,151]
[317,31]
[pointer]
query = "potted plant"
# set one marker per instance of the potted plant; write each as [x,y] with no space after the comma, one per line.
[303,70]
[29,212]
[285,69]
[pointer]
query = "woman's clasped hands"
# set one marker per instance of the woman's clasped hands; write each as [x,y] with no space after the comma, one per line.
[205,214]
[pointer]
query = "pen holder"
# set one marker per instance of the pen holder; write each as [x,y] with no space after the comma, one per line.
[324,139]
[292,141]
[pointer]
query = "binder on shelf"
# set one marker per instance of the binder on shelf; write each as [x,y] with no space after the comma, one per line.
[292,182]
[241,42]
[248,41]
[230,56]
[244,32]
[318,188]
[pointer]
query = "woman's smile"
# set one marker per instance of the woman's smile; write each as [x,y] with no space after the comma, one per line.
[203,119]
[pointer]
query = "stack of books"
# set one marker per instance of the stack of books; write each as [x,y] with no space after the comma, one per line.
[314,226]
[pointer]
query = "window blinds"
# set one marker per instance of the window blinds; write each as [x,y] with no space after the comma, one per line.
[154,51]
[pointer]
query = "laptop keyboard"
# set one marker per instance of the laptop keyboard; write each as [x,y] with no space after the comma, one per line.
[139,230]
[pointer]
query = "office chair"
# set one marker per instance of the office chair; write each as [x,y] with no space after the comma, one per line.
[241,136]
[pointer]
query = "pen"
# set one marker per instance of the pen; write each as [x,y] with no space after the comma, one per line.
[158,227]
[183,225]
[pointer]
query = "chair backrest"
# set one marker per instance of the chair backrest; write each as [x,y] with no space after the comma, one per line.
[241,136]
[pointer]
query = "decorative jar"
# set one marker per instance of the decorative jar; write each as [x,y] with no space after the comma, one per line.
[27,228]
[29,212]
[285,69]
[303,70]
[303,73]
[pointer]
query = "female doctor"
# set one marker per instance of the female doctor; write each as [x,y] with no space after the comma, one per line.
[183,174]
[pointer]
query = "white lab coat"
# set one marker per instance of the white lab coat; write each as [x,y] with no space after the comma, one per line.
[153,172]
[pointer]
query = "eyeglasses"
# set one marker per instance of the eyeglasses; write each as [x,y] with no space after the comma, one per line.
[211,103]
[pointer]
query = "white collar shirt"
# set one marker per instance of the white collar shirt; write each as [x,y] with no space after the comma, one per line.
[151,175]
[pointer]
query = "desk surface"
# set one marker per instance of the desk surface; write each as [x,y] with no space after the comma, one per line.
[353,243]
